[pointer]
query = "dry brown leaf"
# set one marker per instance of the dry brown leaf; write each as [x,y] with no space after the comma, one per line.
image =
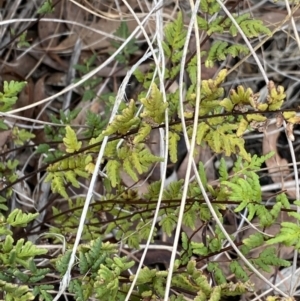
[201,154]
[94,40]
[49,28]
[56,64]
[21,66]
[141,187]
[4,136]
[273,19]
[39,112]
[25,98]
[277,167]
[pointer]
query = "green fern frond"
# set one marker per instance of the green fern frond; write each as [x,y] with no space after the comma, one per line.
[175,36]
[19,219]
[223,170]
[145,276]
[288,235]
[199,248]
[291,117]
[20,136]
[251,27]
[168,223]
[173,143]
[214,267]
[243,191]
[190,217]
[19,253]
[67,171]
[210,7]
[124,122]
[268,258]
[57,184]
[275,96]
[202,23]
[16,291]
[76,288]
[106,286]
[251,242]
[9,96]
[202,129]
[143,133]
[173,191]
[238,270]
[237,49]
[70,141]
[154,107]
[216,26]
[62,262]
[215,294]
[137,159]
[283,200]
[42,292]
[113,172]
[239,97]
[216,52]
[221,139]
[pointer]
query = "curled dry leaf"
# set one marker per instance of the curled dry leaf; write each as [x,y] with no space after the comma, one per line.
[277,167]
[259,125]
[22,65]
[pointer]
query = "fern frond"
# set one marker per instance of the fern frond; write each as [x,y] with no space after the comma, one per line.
[70,141]
[223,170]
[9,96]
[251,27]
[202,23]
[215,26]
[113,172]
[275,96]
[214,267]
[124,122]
[173,142]
[154,107]
[136,159]
[238,270]
[19,219]
[76,288]
[237,49]
[210,7]
[216,52]
[67,171]
[143,133]
[220,50]
[175,38]
[253,241]
[288,235]
[268,258]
